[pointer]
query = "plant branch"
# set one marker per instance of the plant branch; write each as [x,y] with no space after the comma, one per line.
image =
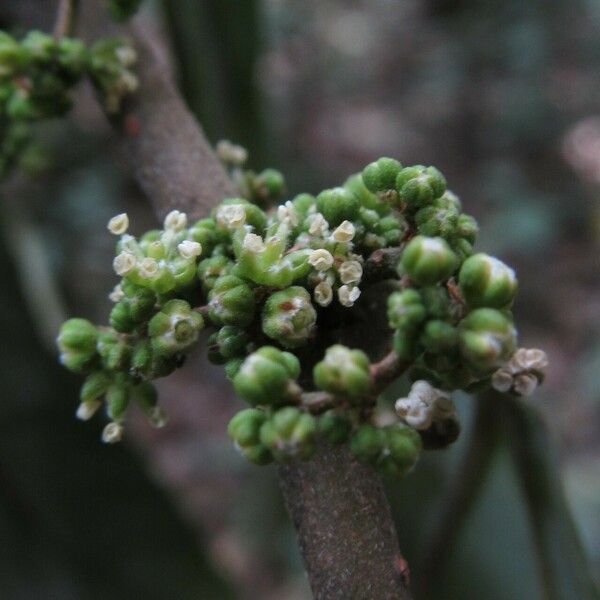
[66,15]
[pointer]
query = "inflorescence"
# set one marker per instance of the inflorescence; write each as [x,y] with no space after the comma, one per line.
[267,282]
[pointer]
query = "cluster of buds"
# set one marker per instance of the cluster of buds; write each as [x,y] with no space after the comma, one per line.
[37,76]
[275,284]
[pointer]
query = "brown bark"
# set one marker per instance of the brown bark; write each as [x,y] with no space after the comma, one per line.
[345,529]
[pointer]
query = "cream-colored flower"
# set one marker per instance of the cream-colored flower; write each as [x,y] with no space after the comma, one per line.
[117,294]
[286,213]
[119,224]
[344,232]
[320,259]
[126,55]
[231,216]
[318,225]
[175,221]
[323,293]
[112,433]
[231,153]
[424,405]
[86,410]
[253,243]
[124,263]
[522,373]
[350,271]
[148,268]
[348,295]
[189,249]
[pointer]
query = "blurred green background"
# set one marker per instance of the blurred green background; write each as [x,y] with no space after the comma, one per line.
[503,97]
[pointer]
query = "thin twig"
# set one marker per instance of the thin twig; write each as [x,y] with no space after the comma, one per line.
[66,16]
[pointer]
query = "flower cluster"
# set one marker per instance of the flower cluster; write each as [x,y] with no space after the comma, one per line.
[37,76]
[274,284]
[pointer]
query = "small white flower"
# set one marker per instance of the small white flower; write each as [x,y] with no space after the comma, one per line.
[189,249]
[86,410]
[231,216]
[530,358]
[350,271]
[253,243]
[502,380]
[525,384]
[318,225]
[348,295]
[344,232]
[522,373]
[286,213]
[175,221]
[323,293]
[119,224]
[117,294]
[126,55]
[112,433]
[124,263]
[424,405]
[148,268]
[321,259]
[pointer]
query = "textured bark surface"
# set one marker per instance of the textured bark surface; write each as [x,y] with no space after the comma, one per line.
[345,529]
[169,153]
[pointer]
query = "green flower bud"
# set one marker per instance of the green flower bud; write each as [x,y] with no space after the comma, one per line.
[114,351]
[175,328]
[367,443]
[289,317]
[72,57]
[462,248]
[428,260]
[436,301]
[402,449]
[302,203]
[439,336]
[269,185]
[40,46]
[94,386]
[467,228]
[77,344]
[337,205]
[12,55]
[344,372]
[267,377]
[146,396]
[117,400]
[137,306]
[419,185]
[231,302]
[487,339]
[405,310]
[289,434]
[368,200]
[205,233]
[381,175]
[244,430]
[486,281]
[232,367]
[433,221]
[405,344]
[334,428]
[210,269]
[229,342]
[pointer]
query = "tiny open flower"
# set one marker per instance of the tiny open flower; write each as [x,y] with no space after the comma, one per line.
[148,268]
[126,55]
[522,373]
[189,249]
[175,221]
[117,294]
[119,224]
[323,294]
[318,224]
[124,263]
[424,405]
[86,410]
[530,359]
[112,433]
[525,384]
[321,259]
[286,213]
[350,271]
[231,216]
[348,295]
[344,232]
[231,153]
[253,243]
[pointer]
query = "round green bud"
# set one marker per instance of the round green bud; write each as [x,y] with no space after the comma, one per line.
[210,269]
[244,430]
[334,428]
[439,336]
[405,344]
[381,175]
[94,386]
[337,205]
[175,328]
[232,367]
[405,310]
[227,343]
[368,200]
[267,377]
[289,317]
[433,221]
[436,301]
[77,342]
[114,351]
[344,372]
[269,185]
[40,46]
[205,233]
[419,185]
[402,449]
[231,302]
[117,400]
[72,57]
[367,443]
[487,339]
[428,260]
[486,281]
[289,434]
[467,228]
[303,203]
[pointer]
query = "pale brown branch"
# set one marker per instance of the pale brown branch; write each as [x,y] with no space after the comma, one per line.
[66,15]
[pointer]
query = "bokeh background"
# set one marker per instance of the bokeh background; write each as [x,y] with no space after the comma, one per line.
[502,96]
